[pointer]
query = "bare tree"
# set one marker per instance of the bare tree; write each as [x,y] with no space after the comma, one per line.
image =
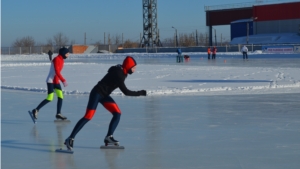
[187,39]
[60,39]
[98,43]
[27,41]
[202,39]
[73,42]
[49,42]
[17,43]
[129,44]
[117,39]
[169,42]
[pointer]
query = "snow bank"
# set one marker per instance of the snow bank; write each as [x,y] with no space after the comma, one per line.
[156,79]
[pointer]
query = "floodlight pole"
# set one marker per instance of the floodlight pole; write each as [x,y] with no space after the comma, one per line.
[176,36]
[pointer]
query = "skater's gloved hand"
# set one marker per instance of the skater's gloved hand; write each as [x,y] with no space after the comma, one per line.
[143,93]
[65,83]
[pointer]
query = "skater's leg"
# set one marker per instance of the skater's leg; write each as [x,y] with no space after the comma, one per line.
[60,97]
[113,123]
[49,97]
[78,127]
[90,111]
[113,108]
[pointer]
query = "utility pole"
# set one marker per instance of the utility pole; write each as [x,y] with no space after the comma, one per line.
[247,32]
[221,39]
[158,43]
[206,40]
[104,38]
[176,39]
[122,40]
[197,38]
[84,38]
[215,37]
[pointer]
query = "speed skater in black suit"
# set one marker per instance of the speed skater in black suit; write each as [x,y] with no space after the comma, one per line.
[100,93]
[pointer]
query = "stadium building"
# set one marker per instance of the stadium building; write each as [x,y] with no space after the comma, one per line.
[257,22]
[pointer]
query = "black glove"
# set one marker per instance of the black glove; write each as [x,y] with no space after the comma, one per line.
[142,92]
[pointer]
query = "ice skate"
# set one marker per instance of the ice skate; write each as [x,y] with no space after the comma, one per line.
[111,143]
[69,144]
[35,113]
[109,140]
[61,118]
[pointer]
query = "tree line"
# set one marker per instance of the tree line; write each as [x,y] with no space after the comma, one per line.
[59,39]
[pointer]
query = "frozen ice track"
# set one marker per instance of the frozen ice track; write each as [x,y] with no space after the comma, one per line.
[249,131]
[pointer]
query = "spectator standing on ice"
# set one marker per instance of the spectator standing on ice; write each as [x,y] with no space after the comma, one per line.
[53,84]
[214,52]
[208,53]
[50,53]
[114,78]
[245,51]
[179,56]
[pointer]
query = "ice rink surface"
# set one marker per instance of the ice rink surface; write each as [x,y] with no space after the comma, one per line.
[161,132]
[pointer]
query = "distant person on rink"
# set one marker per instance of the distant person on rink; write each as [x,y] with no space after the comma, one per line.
[214,52]
[186,58]
[245,51]
[179,56]
[50,53]
[208,53]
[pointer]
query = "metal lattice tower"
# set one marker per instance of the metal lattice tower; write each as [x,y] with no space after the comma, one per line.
[150,32]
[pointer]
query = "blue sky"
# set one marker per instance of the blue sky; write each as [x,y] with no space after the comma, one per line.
[42,19]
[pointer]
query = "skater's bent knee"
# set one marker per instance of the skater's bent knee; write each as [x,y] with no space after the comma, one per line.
[59,93]
[117,115]
[112,107]
[50,97]
[89,114]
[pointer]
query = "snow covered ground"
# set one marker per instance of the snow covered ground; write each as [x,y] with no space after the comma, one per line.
[160,75]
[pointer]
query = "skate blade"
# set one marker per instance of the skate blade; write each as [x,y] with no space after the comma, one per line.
[30,114]
[64,151]
[112,147]
[62,120]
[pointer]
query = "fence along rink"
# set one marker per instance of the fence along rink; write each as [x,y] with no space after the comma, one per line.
[268,48]
[45,49]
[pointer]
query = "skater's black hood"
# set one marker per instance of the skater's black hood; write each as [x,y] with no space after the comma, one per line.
[63,51]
